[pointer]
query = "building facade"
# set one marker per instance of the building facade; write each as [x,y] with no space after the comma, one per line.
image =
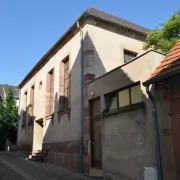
[50,94]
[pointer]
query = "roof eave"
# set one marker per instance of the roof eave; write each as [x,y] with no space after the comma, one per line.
[162,77]
[122,26]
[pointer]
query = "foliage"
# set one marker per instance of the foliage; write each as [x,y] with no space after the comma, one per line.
[8,118]
[2,125]
[164,36]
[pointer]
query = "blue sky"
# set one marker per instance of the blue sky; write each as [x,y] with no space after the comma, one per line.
[29,28]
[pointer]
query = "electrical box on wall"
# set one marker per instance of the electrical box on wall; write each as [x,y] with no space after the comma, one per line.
[150,173]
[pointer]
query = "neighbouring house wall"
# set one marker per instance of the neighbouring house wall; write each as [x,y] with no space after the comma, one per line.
[128,141]
[165,126]
[165,134]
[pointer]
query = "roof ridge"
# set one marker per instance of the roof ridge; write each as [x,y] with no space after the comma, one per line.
[93,11]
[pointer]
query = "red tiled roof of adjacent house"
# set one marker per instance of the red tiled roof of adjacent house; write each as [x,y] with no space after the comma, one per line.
[170,63]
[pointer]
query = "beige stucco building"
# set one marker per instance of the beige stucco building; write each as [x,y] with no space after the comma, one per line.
[50,99]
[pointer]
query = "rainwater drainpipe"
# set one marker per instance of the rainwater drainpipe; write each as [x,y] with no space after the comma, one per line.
[81,98]
[158,153]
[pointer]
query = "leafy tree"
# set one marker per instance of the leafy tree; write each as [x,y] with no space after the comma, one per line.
[2,125]
[11,110]
[164,36]
[8,118]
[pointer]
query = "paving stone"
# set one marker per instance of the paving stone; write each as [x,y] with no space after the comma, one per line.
[22,168]
[8,174]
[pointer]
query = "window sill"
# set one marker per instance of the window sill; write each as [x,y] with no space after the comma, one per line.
[48,117]
[64,111]
[128,108]
[30,123]
[23,126]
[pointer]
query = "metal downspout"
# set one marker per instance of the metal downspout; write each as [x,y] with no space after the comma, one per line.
[81,99]
[158,153]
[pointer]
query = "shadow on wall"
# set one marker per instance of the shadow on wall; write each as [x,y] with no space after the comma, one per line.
[62,132]
[25,131]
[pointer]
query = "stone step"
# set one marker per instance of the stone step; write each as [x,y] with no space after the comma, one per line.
[39,153]
[95,174]
[37,157]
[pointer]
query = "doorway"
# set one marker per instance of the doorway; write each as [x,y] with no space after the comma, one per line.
[96,140]
[38,135]
[175,121]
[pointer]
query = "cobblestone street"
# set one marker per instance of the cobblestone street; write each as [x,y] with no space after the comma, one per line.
[13,167]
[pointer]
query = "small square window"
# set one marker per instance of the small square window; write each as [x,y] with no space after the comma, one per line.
[128,56]
[112,102]
[136,96]
[124,99]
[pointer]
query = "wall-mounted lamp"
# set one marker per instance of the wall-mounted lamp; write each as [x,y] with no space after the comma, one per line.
[92,94]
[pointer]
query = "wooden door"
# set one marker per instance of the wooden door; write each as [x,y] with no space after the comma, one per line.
[96,144]
[175,121]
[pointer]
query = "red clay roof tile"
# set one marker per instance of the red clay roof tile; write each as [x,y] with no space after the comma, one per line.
[170,63]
